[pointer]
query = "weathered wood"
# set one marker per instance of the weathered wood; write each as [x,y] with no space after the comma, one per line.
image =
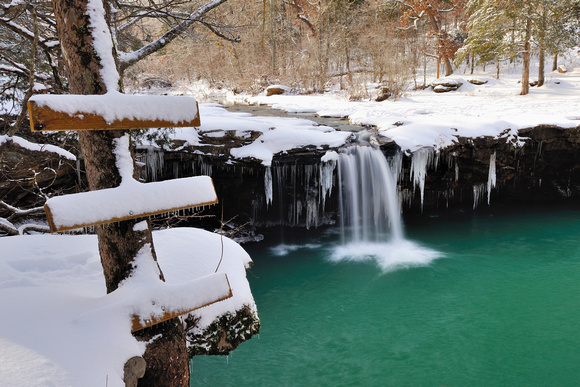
[117,204]
[141,322]
[43,118]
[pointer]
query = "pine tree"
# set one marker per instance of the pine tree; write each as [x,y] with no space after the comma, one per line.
[502,30]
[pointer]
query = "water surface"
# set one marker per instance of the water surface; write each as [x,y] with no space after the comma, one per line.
[500,307]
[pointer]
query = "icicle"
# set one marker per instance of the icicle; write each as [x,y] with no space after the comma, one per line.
[268,186]
[456,172]
[326,173]
[420,160]
[79,171]
[175,170]
[491,179]
[478,192]
[396,164]
[311,213]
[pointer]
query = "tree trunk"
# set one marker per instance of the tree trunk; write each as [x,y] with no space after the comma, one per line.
[446,61]
[526,68]
[119,242]
[448,67]
[542,59]
[472,64]
[555,63]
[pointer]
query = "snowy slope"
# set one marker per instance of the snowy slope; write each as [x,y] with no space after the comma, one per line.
[59,327]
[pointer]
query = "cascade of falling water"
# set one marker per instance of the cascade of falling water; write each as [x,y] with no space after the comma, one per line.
[369,204]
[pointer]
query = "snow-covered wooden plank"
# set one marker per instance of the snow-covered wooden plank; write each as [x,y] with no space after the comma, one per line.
[196,294]
[110,111]
[130,200]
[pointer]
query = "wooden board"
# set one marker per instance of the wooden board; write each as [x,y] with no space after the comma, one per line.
[140,322]
[137,200]
[43,118]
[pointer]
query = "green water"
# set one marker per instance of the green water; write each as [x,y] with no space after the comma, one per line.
[500,308]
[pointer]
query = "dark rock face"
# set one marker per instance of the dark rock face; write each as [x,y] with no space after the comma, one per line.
[546,169]
[543,168]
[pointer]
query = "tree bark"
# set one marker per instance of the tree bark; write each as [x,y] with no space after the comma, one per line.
[119,242]
[526,64]
[446,61]
[555,63]
[542,59]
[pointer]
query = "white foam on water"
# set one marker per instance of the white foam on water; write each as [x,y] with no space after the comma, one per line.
[389,256]
[285,249]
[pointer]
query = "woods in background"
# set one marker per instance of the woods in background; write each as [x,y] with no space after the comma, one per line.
[307,44]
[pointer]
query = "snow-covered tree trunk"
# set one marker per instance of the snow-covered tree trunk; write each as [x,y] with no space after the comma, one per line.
[119,243]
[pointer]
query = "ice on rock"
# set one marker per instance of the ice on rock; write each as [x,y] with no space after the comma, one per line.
[326,173]
[491,179]
[268,189]
[420,161]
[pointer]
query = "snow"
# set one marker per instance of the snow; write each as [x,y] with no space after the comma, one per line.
[37,147]
[115,106]
[103,44]
[427,119]
[278,134]
[129,200]
[60,328]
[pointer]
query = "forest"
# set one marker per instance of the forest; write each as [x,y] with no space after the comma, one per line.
[244,46]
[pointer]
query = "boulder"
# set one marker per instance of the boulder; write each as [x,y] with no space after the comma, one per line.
[475,81]
[443,89]
[562,69]
[276,90]
[445,84]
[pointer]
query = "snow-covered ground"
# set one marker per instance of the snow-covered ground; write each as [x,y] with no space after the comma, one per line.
[60,328]
[424,118]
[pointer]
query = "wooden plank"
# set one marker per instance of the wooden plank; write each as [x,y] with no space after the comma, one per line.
[128,201]
[142,322]
[44,118]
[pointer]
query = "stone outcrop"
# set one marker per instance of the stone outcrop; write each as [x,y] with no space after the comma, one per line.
[541,166]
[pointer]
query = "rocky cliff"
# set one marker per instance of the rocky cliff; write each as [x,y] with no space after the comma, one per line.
[540,165]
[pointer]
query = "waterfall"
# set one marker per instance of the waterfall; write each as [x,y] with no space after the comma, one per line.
[369,204]
[370,216]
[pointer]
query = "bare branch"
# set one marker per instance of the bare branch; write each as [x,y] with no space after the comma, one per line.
[127,59]
[217,32]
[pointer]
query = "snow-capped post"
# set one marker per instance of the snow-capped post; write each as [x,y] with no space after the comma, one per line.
[90,62]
